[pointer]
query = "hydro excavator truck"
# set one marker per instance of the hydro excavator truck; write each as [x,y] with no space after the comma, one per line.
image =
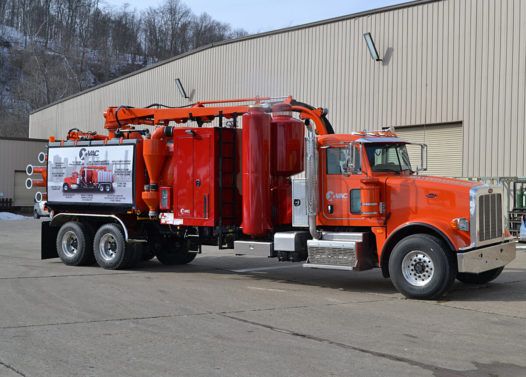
[360,205]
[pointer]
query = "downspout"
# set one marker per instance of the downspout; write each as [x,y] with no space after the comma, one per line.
[311,177]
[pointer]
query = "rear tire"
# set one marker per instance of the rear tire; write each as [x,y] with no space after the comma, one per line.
[101,188]
[482,278]
[110,249]
[174,252]
[74,244]
[421,266]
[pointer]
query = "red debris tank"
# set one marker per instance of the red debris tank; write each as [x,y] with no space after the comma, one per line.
[257,198]
[287,135]
[288,141]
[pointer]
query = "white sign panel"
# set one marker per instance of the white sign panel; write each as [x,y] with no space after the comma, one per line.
[91,175]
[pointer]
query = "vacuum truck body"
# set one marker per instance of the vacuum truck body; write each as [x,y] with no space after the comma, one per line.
[360,205]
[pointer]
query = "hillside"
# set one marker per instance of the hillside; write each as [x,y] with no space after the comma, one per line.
[50,50]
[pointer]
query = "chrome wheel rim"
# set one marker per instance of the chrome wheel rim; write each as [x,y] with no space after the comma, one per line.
[107,247]
[70,244]
[418,268]
[101,188]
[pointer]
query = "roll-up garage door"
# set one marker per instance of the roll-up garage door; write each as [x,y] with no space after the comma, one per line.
[22,196]
[444,146]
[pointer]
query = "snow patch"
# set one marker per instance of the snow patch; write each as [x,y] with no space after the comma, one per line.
[12,216]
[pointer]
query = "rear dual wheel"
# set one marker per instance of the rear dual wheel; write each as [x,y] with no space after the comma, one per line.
[74,244]
[174,251]
[111,250]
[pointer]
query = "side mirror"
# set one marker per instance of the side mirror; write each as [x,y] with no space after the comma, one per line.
[423,158]
[350,167]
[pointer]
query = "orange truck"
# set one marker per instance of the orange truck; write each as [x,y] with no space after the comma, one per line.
[89,177]
[361,205]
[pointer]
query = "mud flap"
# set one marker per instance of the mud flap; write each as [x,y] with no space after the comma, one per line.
[48,246]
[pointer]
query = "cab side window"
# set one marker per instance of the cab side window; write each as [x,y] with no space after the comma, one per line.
[337,158]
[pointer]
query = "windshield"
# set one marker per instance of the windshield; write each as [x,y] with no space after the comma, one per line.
[388,157]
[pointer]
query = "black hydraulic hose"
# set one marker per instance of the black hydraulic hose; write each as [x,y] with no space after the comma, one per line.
[116,111]
[169,107]
[326,123]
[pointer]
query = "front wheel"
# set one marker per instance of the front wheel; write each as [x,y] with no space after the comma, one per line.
[482,278]
[422,267]
[65,187]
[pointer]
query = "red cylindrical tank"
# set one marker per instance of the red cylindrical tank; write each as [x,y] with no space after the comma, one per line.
[256,172]
[288,142]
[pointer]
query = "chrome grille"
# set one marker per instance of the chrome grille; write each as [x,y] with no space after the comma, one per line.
[490,217]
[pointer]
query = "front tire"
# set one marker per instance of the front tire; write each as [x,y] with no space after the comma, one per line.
[421,266]
[482,278]
[110,249]
[65,187]
[74,244]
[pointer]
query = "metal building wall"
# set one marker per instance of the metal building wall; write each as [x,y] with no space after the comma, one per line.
[15,154]
[443,61]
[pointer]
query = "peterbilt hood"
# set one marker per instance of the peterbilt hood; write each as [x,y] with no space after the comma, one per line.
[427,199]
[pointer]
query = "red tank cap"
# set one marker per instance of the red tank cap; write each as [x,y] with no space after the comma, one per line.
[281,110]
[256,108]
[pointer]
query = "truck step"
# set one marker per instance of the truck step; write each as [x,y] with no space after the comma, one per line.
[334,253]
[341,236]
[353,250]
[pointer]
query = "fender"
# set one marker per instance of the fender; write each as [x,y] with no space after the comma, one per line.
[431,226]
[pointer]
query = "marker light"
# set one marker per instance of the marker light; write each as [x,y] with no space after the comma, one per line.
[460,223]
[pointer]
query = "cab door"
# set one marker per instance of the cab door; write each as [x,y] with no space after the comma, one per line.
[340,194]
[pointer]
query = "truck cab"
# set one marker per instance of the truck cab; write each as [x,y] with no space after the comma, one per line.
[372,209]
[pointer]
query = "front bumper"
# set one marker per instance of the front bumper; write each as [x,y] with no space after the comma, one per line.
[486,258]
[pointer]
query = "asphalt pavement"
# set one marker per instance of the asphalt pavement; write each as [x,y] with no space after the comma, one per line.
[226,315]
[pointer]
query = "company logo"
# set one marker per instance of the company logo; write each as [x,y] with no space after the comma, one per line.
[83,153]
[331,195]
[184,211]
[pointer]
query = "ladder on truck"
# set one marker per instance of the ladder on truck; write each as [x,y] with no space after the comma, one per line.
[230,187]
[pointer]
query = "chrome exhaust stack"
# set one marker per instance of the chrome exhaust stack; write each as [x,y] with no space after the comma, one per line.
[311,178]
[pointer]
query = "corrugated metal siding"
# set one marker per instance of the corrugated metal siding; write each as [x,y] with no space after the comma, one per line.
[444,148]
[445,61]
[22,196]
[16,155]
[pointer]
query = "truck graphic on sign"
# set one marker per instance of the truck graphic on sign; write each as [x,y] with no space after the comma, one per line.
[90,177]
